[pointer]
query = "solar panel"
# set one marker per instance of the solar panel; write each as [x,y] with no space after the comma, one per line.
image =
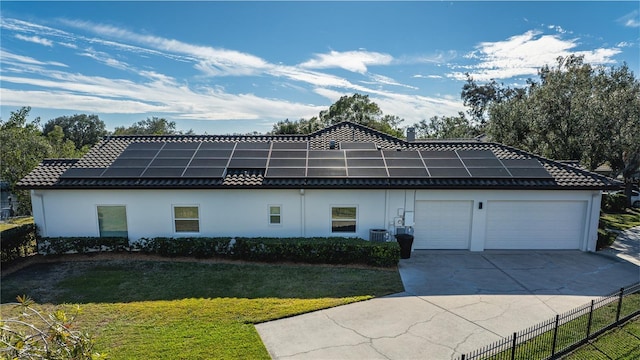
[471,154]
[82,173]
[131,162]
[367,172]
[289,146]
[285,172]
[250,154]
[482,163]
[288,154]
[127,154]
[176,154]
[365,163]
[404,162]
[391,154]
[253,146]
[287,162]
[326,163]
[158,162]
[130,172]
[531,173]
[435,154]
[489,172]
[449,172]
[145,146]
[363,154]
[326,172]
[326,154]
[217,145]
[526,163]
[213,153]
[248,163]
[171,172]
[446,163]
[181,145]
[201,172]
[358,145]
[408,172]
[209,162]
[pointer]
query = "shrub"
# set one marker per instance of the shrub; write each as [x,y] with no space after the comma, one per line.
[605,238]
[32,334]
[17,242]
[614,203]
[81,245]
[199,247]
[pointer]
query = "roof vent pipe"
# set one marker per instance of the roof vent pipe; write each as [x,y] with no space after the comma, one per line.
[332,144]
[411,134]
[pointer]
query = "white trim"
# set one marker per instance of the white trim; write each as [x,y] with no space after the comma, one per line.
[332,206]
[279,206]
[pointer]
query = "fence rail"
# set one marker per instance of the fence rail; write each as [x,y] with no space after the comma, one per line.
[558,336]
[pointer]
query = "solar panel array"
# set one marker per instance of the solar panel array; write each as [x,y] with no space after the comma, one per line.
[294,160]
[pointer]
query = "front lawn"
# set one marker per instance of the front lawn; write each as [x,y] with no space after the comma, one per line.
[190,310]
[620,221]
[13,222]
[621,343]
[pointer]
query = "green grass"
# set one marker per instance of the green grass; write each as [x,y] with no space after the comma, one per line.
[620,343]
[177,310]
[13,222]
[620,221]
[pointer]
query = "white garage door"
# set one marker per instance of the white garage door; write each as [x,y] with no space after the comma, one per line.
[442,224]
[535,224]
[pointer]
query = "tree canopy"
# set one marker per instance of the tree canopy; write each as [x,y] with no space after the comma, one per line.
[83,130]
[151,126]
[356,108]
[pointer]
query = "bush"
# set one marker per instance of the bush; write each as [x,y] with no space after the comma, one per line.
[614,203]
[605,238]
[17,242]
[305,250]
[81,245]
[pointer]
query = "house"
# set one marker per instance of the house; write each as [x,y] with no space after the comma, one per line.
[344,180]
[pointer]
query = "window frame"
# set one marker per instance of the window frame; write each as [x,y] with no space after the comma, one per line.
[355,219]
[174,218]
[126,218]
[270,215]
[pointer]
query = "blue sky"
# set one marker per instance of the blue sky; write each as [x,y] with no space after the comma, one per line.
[237,67]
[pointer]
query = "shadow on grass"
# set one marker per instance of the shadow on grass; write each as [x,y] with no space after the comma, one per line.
[118,281]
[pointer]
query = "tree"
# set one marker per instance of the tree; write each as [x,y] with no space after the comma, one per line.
[63,147]
[151,126]
[446,127]
[356,108]
[22,148]
[478,98]
[83,130]
[575,111]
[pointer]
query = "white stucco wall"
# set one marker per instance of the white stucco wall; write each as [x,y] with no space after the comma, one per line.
[245,212]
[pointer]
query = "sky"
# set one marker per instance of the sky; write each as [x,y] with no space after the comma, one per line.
[239,67]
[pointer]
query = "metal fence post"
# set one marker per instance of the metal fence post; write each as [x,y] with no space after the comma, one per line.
[555,336]
[619,305]
[590,318]
[513,346]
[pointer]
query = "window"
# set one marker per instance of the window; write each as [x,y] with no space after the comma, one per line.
[186,218]
[275,215]
[112,221]
[343,219]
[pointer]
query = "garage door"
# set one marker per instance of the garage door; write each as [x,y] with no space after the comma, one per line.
[442,224]
[535,224]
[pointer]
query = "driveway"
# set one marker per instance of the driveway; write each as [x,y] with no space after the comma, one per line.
[454,302]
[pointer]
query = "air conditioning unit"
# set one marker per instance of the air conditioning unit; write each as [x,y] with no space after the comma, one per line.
[378,235]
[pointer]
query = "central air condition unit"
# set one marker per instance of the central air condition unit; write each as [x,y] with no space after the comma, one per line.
[378,235]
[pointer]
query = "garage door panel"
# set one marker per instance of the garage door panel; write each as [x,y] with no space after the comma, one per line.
[535,224]
[442,224]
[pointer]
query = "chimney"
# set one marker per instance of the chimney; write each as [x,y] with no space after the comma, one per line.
[411,134]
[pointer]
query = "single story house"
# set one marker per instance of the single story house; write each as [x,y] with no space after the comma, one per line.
[344,180]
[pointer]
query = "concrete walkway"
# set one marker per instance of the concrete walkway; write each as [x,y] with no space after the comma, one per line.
[626,246]
[454,302]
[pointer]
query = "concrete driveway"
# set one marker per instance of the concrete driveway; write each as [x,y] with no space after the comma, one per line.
[454,302]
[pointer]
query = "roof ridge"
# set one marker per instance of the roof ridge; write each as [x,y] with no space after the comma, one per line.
[362,127]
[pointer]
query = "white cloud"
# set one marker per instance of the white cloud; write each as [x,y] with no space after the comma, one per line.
[624,44]
[418,76]
[523,55]
[35,40]
[385,80]
[631,19]
[355,61]
[10,58]
[103,57]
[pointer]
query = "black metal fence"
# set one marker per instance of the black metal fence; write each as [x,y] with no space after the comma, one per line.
[558,336]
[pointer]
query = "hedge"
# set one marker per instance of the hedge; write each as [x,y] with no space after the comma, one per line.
[81,245]
[614,203]
[17,242]
[199,247]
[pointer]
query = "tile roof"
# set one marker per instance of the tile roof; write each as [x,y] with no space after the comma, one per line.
[563,176]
